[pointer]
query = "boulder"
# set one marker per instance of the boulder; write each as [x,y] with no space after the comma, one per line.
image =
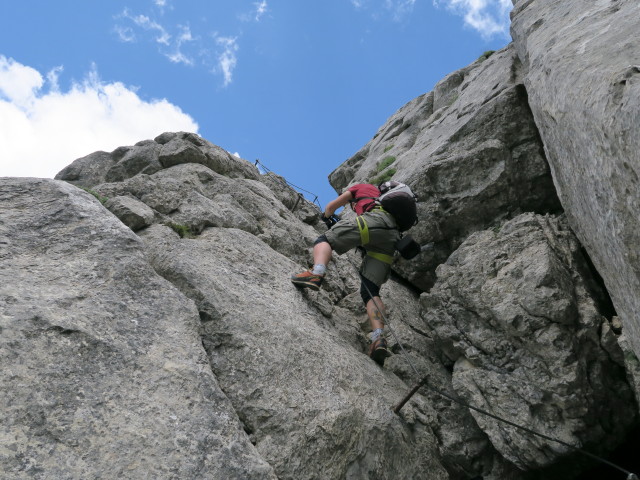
[133,213]
[89,170]
[143,157]
[177,151]
[513,315]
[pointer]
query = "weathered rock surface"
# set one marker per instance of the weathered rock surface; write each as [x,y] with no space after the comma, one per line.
[301,398]
[132,212]
[631,363]
[313,404]
[582,71]
[513,314]
[471,152]
[103,371]
[194,196]
[289,363]
[465,449]
[185,352]
[151,156]
[294,201]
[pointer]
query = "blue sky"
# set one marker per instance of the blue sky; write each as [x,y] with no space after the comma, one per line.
[301,85]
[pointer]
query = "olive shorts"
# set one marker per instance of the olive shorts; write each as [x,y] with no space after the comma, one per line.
[383,235]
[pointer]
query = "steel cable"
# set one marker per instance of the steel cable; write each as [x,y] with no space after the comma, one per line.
[425,382]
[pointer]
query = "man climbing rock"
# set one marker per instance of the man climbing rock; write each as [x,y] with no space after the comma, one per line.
[376,231]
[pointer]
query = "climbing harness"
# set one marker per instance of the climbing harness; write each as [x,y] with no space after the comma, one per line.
[425,382]
[363,228]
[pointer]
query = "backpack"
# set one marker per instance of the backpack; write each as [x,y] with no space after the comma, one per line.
[398,199]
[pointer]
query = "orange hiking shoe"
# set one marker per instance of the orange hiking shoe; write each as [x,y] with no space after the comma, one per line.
[378,351]
[308,279]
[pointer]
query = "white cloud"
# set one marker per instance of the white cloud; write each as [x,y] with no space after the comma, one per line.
[144,22]
[52,78]
[163,5]
[380,9]
[178,44]
[227,59]
[177,55]
[261,9]
[255,15]
[44,130]
[17,82]
[171,46]
[400,8]
[488,17]
[125,34]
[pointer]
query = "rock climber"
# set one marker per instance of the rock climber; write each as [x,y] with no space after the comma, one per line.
[373,229]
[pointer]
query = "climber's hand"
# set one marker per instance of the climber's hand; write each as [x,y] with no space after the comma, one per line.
[330,221]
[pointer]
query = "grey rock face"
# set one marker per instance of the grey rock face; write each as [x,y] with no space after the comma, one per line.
[151,156]
[313,404]
[90,170]
[103,371]
[471,152]
[301,398]
[133,213]
[256,323]
[189,354]
[194,196]
[465,449]
[512,313]
[142,158]
[582,64]
[294,201]
[176,152]
[632,365]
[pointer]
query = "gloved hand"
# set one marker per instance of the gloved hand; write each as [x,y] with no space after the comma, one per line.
[330,221]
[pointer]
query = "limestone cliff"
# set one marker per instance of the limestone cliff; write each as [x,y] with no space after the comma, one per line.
[582,64]
[148,327]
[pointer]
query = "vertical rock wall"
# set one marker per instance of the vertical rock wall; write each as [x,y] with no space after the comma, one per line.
[582,72]
[471,152]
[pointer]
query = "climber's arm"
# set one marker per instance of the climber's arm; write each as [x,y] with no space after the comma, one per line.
[341,201]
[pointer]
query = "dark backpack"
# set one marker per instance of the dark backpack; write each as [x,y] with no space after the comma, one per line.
[398,199]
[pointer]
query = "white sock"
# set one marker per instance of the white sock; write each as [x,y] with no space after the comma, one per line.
[319,269]
[378,332]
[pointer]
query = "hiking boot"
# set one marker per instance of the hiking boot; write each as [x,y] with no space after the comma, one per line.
[378,351]
[308,279]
